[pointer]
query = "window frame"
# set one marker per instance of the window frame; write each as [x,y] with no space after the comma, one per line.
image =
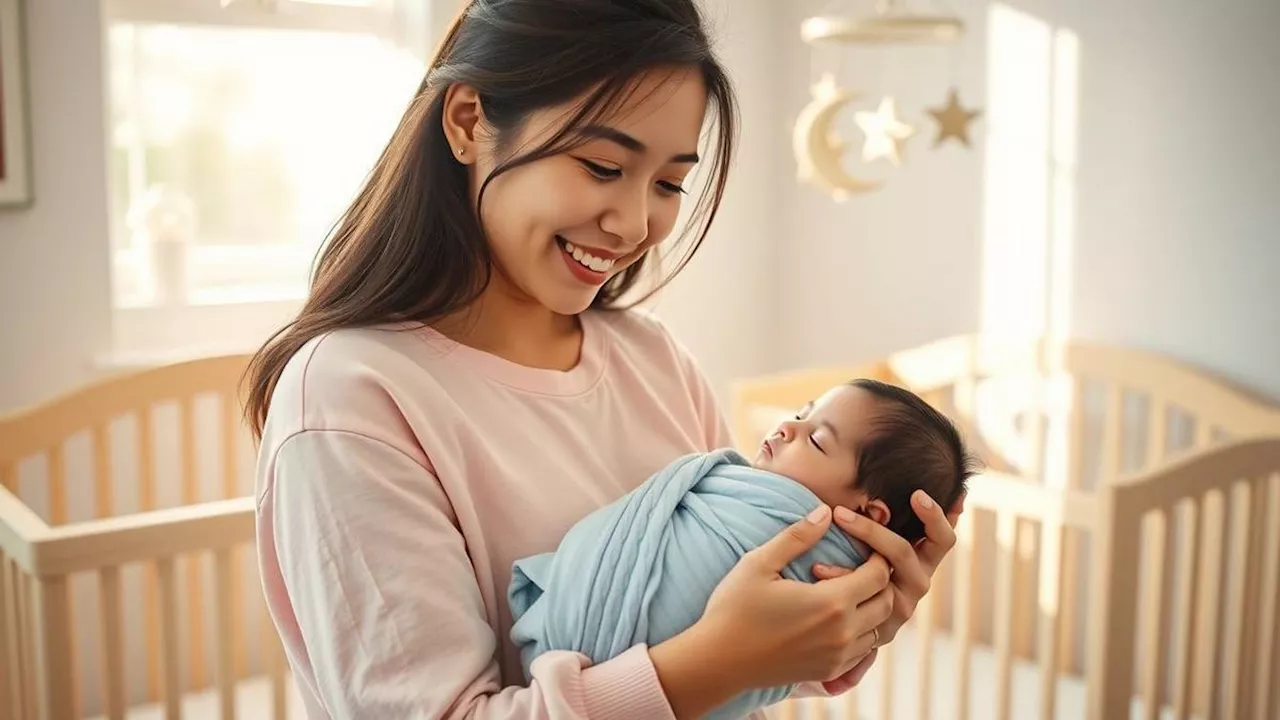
[240,319]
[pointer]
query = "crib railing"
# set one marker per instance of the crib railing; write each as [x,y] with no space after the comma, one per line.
[1061,421]
[98,483]
[36,643]
[1221,622]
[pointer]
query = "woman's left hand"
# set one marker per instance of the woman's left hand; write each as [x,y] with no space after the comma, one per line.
[912,567]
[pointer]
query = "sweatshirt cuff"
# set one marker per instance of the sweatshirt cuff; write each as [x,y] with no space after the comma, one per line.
[625,687]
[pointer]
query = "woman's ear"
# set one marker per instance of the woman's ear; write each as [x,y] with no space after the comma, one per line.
[878,511]
[461,118]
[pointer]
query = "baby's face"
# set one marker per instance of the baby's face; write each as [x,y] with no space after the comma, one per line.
[819,447]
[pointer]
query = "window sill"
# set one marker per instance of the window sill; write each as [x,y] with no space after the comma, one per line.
[243,295]
[149,336]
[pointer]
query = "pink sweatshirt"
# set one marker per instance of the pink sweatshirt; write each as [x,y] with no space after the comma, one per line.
[401,474]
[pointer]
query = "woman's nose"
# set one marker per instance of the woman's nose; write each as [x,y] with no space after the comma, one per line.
[628,219]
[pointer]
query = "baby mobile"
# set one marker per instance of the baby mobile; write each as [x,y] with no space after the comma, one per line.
[819,150]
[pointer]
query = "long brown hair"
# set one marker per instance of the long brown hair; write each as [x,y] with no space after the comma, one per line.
[410,246]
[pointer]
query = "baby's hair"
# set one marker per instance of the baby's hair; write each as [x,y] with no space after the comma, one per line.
[911,447]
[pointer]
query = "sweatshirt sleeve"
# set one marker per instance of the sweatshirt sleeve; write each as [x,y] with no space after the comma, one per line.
[389,617]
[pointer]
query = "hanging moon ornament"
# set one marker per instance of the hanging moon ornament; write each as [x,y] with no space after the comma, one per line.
[817,148]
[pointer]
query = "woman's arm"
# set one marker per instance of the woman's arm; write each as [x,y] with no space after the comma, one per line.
[389,617]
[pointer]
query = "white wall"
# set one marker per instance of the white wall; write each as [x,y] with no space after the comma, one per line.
[1174,248]
[721,305]
[1178,241]
[55,294]
[1174,245]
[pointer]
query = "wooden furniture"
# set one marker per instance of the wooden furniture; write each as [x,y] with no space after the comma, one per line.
[106,494]
[1114,477]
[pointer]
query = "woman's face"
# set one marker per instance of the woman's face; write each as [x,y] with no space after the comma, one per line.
[561,226]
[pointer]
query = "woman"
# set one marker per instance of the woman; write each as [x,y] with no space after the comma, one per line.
[461,387]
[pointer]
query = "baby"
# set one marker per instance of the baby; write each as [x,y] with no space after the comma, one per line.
[641,569]
[869,446]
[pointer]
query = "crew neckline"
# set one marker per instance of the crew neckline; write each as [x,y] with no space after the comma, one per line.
[574,381]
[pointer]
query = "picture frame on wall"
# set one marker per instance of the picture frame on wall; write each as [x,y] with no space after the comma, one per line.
[15,137]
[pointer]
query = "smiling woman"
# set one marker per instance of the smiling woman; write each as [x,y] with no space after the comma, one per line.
[466,381]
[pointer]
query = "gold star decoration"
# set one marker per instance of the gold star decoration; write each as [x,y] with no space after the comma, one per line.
[886,134]
[953,120]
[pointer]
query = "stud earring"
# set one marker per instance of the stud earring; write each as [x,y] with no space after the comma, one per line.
[462,151]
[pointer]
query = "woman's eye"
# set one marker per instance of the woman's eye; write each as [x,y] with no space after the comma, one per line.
[671,188]
[600,171]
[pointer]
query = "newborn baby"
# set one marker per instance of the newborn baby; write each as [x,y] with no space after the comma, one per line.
[641,569]
[869,446]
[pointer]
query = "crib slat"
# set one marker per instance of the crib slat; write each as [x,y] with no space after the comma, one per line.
[1006,543]
[230,488]
[57,517]
[27,628]
[1155,639]
[924,672]
[1024,581]
[1204,434]
[1236,617]
[57,486]
[224,632]
[1265,700]
[194,566]
[1182,663]
[1157,430]
[53,647]
[9,669]
[112,642]
[884,658]
[1113,435]
[962,623]
[850,705]
[1050,624]
[150,591]
[1069,655]
[169,638]
[1208,669]
[102,471]
[1246,662]
[1113,606]
[276,669]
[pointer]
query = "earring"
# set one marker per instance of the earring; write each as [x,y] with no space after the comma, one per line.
[462,151]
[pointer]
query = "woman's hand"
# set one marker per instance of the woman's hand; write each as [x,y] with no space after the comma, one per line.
[764,631]
[913,567]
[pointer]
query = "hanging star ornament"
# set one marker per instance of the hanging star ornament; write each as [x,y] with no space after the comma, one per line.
[953,120]
[886,134]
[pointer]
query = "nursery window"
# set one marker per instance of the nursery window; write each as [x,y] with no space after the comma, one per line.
[238,130]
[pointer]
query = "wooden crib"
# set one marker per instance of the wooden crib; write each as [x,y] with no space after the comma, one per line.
[1119,557]
[1125,498]
[128,586]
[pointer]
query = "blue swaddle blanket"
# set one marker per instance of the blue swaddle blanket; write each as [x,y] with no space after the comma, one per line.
[641,570]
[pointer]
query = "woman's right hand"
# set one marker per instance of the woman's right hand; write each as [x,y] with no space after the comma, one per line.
[785,632]
[760,630]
